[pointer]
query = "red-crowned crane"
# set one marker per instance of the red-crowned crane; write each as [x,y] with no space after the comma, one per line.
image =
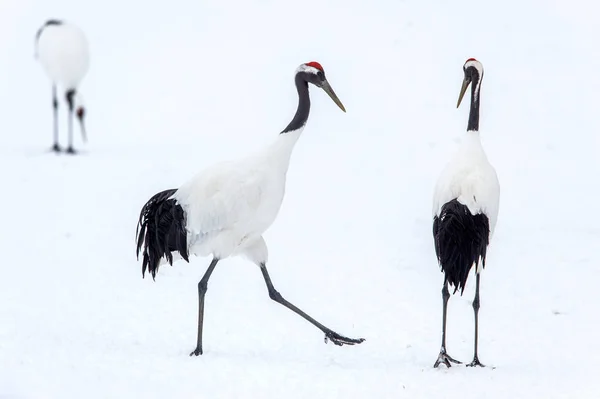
[224,210]
[465,210]
[62,49]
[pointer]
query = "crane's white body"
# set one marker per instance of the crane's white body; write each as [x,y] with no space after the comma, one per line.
[471,179]
[63,52]
[230,205]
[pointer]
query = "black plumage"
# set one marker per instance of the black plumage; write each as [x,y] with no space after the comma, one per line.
[161,231]
[461,240]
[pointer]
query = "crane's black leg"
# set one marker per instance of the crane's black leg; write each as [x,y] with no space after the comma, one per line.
[476,304]
[329,334]
[70,100]
[443,357]
[55,147]
[202,287]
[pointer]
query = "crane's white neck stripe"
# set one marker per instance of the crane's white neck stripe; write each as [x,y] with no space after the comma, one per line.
[477,87]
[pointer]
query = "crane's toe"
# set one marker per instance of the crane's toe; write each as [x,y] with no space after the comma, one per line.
[196,352]
[443,357]
[340,340]
[475,363]
[71,151]
[56,148]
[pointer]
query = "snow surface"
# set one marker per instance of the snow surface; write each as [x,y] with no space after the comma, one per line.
[176,86]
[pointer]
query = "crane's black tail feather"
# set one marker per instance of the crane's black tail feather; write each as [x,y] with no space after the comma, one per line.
[161,231]
[461,240]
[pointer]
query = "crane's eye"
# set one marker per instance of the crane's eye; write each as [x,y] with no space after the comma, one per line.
[321,75]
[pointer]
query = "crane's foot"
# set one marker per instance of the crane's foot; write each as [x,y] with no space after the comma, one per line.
[56,148]
[443,357]
[197,351]
[475,363]
[340,340]
[71,151]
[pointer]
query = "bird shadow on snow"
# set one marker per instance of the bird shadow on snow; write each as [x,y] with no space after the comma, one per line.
[331,358]
[32,152]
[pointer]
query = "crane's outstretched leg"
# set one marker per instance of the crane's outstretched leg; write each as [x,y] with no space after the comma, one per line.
[443,357]
[55,147]
[476,361]
[329,334]
[70,101]
[202,287]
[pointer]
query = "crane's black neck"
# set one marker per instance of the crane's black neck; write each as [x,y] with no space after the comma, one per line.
[49,22]
[303,105]
[475,92]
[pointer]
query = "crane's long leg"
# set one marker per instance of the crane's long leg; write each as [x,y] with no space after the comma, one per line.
[329,333]
[202,287]
[443,357]
[70,101]
[476,304]
[55,147]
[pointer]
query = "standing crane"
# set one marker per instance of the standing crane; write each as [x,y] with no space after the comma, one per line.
[62,49]
[465,210]
[224,210]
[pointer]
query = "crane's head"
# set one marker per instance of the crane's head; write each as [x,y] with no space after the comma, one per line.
[313,72]
[473,71]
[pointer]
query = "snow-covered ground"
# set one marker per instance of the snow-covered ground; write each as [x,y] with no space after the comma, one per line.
[175,86]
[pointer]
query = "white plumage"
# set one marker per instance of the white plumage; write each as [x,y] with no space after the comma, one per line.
[230,205]
[62,49]
[471,179]
[224,210]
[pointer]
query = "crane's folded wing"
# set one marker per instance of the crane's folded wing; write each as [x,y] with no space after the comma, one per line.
[218,199]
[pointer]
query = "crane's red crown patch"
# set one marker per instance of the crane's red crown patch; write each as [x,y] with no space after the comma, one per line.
[315,64]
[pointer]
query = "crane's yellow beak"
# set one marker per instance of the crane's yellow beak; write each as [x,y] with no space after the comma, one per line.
[463,90]
[83,133]
[327,88]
